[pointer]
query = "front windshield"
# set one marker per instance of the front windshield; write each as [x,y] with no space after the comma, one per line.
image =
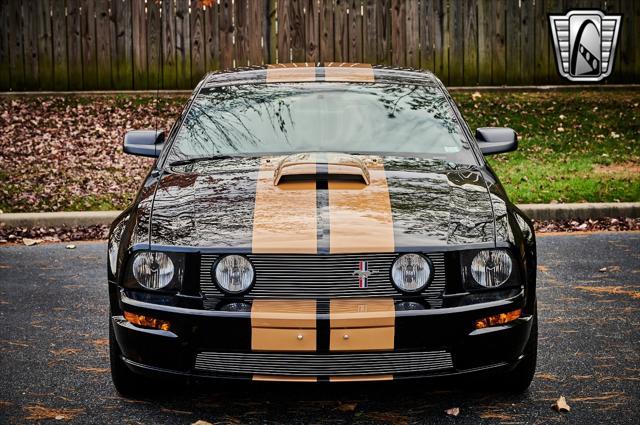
[262,119]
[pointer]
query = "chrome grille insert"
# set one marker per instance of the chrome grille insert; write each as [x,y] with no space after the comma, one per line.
[313,364]
[322,276]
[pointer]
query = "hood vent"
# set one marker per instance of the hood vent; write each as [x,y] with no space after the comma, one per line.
[325,166]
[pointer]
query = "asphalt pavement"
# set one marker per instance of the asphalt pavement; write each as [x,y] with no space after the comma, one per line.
[54,352]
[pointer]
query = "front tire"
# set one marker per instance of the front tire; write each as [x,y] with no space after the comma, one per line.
[519,379]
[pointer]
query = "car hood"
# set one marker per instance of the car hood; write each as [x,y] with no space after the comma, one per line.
[233,205]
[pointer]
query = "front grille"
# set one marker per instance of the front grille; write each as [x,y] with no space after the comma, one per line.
[313,364]
[323,276]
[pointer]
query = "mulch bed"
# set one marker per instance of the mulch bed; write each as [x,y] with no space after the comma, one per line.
[67,234]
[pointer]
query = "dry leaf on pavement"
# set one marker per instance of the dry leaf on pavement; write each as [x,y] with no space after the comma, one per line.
[454,411]
[30,242]
[561,405]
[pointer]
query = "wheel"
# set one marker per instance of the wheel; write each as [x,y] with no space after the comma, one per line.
[127,383]
[519,379]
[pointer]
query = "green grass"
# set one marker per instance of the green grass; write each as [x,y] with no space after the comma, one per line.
[574,146]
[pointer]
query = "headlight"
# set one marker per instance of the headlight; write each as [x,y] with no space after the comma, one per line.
[234,274]
[153,270]
[411,272]
[491,268]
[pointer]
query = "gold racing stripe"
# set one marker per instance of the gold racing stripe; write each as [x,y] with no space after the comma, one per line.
[291,72]
[362,324]
[284,218]
[360,217]
[343,71]
[283,325]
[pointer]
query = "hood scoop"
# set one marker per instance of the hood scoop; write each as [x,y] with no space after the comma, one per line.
[325,166]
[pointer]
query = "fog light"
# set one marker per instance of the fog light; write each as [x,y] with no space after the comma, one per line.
[498,319]
[146,321]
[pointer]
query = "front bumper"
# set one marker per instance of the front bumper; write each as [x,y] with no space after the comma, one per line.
[427,343]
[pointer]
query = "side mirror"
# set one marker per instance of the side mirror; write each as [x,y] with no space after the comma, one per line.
[492,140]
[143,143]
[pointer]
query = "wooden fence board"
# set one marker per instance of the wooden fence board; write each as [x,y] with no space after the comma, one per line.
[427,34]
[139,37]
[256,31]
[89,53]
[296,30]
[326,31]
[270,34]
[30,41]
[74,45]
[183,44]
[552,75]
[370,33]
[383,30]
[355,31]
[470,37]
[283,31]
[5,73]
[527,41]
[412,32]
[241,29]
[341,28]
[59,35]
[499,52]
[441,56]
[513,45]
[169,67]
[212,34]
[485,31]
[197,29]
[398,34]
[627,38]
[123,44]
[103,44]
[154,43]
[456,43]
[45,44]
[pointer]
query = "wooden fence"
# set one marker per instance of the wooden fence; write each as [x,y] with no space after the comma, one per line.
[145,44]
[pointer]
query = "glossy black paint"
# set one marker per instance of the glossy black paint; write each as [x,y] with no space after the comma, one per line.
[143,143]
[436,206]
[494,140]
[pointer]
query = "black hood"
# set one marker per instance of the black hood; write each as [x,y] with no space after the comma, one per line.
[211,204]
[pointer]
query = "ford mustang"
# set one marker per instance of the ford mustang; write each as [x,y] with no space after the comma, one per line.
[326,223]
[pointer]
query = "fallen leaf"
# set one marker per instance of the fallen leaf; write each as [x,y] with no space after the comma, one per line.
[454,411]
[39,412]
[347,407]
[71,246]
[476,95]
[30,242]
[201,422]
[561,405]
[604,269]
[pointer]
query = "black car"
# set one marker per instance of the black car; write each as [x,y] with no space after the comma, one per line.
[322,224]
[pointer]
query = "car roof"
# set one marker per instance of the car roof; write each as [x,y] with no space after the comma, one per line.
[325,72]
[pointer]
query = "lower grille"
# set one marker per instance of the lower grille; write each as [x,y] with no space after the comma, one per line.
[313,364]
[323,276]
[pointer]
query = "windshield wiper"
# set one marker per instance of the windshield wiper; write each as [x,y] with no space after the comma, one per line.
[198,159]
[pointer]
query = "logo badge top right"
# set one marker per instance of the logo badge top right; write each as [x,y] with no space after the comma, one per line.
[585,43]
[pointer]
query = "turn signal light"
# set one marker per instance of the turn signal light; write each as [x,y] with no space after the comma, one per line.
[498,319]
[146,321]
